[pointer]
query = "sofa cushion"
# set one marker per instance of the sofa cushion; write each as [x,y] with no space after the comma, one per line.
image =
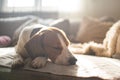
[92,29]
[8,25]
[108,19]
[74,28]
[63,24]
[16,34]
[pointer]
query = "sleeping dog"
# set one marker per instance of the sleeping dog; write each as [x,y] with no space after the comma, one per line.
[41,43]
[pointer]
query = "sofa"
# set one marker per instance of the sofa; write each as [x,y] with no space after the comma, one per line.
[88,67]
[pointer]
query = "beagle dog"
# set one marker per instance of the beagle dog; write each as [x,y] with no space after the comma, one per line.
[41,43]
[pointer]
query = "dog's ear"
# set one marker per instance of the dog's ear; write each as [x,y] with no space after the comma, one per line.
[62,33]
[35,45]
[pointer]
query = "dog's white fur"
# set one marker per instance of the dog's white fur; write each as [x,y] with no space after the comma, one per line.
[109,48]
[39,61]
[24,38]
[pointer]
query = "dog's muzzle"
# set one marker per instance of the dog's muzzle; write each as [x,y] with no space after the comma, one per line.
[72,61]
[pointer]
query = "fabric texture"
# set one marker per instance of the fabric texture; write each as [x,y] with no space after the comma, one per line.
[86,66]
[63,24]
[9,25]
[17,32]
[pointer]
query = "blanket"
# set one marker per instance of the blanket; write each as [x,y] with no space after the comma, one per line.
[86,66]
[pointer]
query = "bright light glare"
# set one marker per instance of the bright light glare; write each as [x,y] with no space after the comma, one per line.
[50,3]
[63,5]
[91,68]
[59,5]
[20,3]
[69,5]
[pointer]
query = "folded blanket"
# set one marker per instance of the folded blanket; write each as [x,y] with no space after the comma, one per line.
[86,66]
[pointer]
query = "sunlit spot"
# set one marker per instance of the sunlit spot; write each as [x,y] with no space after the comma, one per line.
[21,3]
[87,68]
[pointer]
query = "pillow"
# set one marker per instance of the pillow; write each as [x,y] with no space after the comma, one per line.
[63,24]
[19,29]
[9,25]
[107,19]
[5,41]
[92,30]
[73,30]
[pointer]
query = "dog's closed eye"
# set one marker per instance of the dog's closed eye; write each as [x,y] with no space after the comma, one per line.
[57,48]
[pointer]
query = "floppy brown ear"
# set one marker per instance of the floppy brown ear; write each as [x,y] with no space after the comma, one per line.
[35,45]
[64,37]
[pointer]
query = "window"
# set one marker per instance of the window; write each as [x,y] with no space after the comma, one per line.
[50,5]
[38,5]
[20,3]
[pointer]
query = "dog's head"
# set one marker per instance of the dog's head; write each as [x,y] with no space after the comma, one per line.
[52,43]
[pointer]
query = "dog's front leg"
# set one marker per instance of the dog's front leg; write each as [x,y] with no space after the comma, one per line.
[17,61]
[39,62]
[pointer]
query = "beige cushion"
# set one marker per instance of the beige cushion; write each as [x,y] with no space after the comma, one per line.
[92,30]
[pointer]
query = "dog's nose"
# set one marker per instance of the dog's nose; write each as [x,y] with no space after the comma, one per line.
[72,61]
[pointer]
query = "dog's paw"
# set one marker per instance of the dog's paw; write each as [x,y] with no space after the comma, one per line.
[39,62]
[17,62]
